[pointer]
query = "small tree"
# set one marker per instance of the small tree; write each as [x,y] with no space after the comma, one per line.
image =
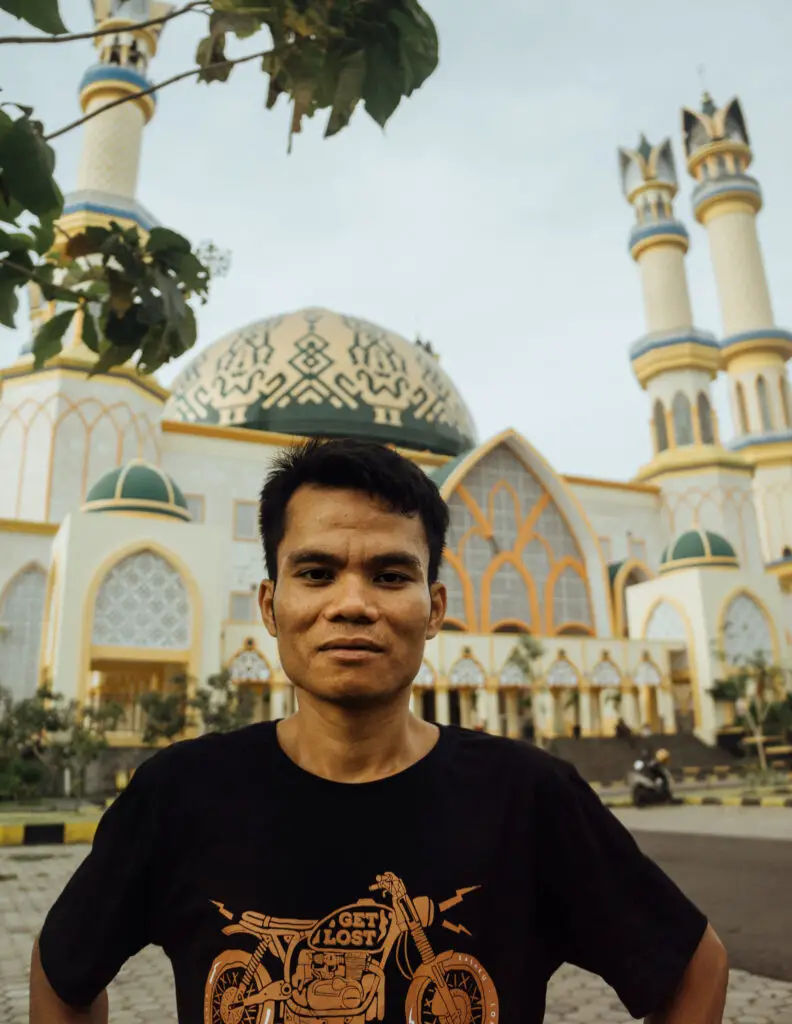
[87,740]
[222,705]
[758,688]
[166,713]
[524,655]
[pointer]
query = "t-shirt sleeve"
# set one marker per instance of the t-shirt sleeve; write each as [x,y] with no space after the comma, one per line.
[606,906]
[106,912]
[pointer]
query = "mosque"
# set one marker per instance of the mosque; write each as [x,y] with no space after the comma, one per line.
[128,536]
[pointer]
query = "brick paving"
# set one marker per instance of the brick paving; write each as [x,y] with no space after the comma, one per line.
[31,878]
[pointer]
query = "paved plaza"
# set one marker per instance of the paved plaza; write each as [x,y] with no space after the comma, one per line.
[30,879]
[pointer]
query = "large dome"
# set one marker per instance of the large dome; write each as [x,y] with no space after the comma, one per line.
[322,374]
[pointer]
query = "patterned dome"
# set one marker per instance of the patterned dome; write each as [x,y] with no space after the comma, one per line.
[138,486]
[697,549]
[321,374]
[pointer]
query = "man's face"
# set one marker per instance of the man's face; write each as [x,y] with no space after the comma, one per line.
[352,607]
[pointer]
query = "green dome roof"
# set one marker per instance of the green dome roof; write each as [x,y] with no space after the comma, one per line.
[697,549]
[138,487]
[316,373]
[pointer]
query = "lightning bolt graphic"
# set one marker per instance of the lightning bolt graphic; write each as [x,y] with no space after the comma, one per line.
[226,913]
[460,894]
[460,929]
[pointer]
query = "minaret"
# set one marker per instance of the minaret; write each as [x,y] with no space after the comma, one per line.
[60,429]
[674,361]
[726,200]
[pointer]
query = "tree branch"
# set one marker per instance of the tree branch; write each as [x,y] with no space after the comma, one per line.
[152,89]
[74,36]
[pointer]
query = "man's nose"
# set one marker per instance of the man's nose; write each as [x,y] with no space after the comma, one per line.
[352,599]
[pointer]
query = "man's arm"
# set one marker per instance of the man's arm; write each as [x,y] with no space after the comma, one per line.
[701,996]
[47,1008]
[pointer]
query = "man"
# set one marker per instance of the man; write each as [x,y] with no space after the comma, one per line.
[353,863]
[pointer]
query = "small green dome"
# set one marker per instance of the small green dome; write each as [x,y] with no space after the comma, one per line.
[698,549]
[139,487]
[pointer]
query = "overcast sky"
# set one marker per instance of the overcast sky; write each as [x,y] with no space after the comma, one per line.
[488,216]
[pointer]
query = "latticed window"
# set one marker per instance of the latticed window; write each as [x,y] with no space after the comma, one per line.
[570,599]
[142,602]
[488,512]
[746,631]
[647,674]
[467,672]
[512,675]
[605,673]
[21,618]
[562,673]
[249,667]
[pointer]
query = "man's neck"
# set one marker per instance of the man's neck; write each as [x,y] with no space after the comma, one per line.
[355,746]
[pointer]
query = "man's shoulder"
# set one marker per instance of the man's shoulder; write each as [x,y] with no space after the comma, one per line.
[211,753]
[523,761]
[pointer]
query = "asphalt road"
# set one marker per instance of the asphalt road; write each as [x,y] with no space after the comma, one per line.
[743,885]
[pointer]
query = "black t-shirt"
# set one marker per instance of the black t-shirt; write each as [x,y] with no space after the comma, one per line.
[461,883]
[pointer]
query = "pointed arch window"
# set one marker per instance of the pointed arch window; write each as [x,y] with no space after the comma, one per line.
[683,419]
[783,388]
[704,410]
[742,410]
[763,398]
[660,426]
[22,617]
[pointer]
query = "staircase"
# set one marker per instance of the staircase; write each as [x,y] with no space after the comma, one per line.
[608,759]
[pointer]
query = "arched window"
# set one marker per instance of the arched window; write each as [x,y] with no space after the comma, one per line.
[21,618]
[249,667]
[764,403]
[505,540]
[742,411]
[783,388]
[570,601]
[705,419]
[142,602]
[746,631]
[683,419]
[665,623]
[660,427]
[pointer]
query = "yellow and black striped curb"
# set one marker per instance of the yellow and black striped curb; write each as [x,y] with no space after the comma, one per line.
[713,801]
[37,834]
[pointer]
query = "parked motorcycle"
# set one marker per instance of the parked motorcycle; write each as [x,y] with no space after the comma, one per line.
[333,969]
[650,780]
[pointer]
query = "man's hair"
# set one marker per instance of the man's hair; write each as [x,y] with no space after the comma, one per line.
[351,465]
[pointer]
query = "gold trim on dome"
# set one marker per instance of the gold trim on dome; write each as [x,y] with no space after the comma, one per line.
[279,440]
[28,526]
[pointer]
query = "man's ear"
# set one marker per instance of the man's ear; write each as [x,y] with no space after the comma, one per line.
[439,598]
[266,600]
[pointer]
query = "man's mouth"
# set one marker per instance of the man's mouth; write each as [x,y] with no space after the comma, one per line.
[352,645]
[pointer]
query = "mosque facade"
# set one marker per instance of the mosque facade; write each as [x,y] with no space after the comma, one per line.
[129,551]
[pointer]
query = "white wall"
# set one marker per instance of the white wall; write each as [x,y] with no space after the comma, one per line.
[615,513]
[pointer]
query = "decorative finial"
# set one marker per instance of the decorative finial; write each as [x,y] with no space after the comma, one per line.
[707,103]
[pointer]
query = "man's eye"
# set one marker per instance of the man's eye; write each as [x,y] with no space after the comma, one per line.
[392,577]
[316,575]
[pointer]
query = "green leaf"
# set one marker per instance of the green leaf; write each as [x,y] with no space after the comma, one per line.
[348,91]
[44,234]
[49,339]
[90,335]
[87,242]
[210,56]
[113,355]
[121,292]
[41,14]
[384,82]
[193,274]
[163,239]
[28,163]
[418,44]
[9,301]
[241,24]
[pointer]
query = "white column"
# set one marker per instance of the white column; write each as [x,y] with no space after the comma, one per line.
[513,714]
[466,712]
[493,713]
[629,708]
[584,712]
[111,148]
[277,700]
[415,703]
[442,708]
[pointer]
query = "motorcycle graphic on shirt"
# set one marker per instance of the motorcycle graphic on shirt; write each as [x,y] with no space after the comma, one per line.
[333,969]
